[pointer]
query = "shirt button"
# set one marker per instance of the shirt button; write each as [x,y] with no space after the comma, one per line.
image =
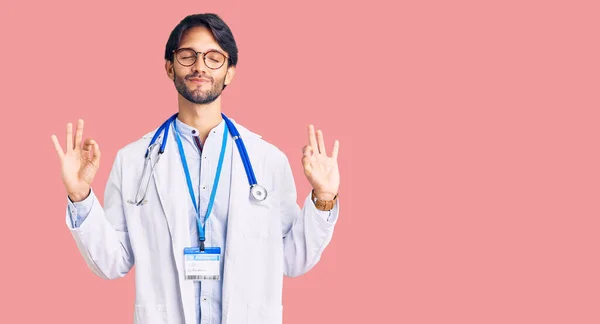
[194,131]
[204,298]
[203,187]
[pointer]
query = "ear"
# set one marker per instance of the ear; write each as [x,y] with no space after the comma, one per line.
[169,69]
[229,75]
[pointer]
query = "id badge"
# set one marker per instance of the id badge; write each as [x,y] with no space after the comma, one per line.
[202,265]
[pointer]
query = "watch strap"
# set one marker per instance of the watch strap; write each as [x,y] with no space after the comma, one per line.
[324,205]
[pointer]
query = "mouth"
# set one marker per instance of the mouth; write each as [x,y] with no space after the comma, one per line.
[199,80]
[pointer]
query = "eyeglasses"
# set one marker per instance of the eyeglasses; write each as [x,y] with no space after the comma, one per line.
[212,59]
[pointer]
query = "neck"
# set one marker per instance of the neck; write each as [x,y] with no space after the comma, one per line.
[202,117]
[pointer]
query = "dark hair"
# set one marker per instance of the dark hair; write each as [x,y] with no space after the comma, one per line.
[217,26]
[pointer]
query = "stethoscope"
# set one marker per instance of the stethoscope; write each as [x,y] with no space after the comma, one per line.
[257,191]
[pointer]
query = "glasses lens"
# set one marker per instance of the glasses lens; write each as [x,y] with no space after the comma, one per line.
[186,57]
[214,60]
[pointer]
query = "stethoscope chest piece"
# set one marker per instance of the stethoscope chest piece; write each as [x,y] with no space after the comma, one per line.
[258,192]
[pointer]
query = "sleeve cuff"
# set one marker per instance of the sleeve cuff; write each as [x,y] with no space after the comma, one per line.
[329,217]
[325,214]
[78,211]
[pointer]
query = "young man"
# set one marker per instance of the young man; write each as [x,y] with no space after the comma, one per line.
[213,225]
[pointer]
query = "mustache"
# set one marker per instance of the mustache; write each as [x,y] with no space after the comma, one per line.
[198,76]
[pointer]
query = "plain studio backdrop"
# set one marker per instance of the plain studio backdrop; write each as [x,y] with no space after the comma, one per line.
[468,134]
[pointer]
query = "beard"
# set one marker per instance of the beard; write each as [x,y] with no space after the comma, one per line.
[196,95]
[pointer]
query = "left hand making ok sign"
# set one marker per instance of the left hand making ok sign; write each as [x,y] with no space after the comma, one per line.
[321,170]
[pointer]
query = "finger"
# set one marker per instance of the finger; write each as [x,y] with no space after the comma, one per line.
[69,137]
[312,141]
[307,150]
[88,147]
[96,157]
[57,147]
[306,165]
[321,142]
[336,149]
[87,150]
[78,134]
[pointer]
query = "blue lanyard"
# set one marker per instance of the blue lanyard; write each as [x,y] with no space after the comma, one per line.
[201,227]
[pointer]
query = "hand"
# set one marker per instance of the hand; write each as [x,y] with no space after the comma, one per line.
[321,170]
[79,164]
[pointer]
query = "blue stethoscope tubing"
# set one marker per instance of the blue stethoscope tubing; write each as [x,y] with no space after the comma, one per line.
[257,191]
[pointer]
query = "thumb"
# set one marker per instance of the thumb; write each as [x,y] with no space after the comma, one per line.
[307,166]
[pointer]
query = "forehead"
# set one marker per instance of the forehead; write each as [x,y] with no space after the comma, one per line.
[199,38]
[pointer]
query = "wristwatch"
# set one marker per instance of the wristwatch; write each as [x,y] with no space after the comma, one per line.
[325,205]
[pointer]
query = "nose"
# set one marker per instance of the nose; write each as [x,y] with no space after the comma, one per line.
[199,65]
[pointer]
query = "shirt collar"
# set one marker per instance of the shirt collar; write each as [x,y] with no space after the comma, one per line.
[245,133]
[189,131]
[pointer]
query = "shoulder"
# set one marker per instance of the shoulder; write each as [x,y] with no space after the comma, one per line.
[256,145]
[260,146]
[137,147]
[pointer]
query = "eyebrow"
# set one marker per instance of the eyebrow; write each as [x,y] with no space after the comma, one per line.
[208,50]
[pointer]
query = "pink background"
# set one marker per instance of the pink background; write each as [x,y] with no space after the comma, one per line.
[468,149]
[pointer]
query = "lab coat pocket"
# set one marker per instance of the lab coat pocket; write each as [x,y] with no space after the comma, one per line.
[265,313]
[150,314]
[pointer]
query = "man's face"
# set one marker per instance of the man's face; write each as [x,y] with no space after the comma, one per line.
[198,83]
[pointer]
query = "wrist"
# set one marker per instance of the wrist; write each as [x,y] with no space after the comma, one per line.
[324,195]
[324,202]
[80,195]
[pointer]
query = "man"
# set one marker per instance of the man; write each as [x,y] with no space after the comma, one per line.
[207,249]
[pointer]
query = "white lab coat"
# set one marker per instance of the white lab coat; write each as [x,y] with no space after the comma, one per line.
[265,240]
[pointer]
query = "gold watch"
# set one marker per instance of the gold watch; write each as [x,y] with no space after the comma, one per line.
[325,205]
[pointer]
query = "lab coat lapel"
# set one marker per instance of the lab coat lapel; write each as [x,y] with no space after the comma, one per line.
[169,179]
[238,202]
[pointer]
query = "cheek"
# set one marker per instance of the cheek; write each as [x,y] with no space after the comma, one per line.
[221,78]
[180,72]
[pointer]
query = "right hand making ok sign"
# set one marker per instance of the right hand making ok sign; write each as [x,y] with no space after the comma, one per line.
[79,164]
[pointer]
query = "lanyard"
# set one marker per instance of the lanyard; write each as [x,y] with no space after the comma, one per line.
[201,227]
